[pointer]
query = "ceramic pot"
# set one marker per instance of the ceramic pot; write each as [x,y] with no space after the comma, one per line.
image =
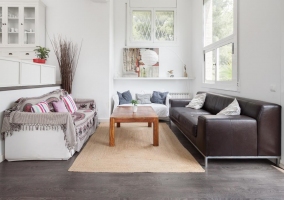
[37,60]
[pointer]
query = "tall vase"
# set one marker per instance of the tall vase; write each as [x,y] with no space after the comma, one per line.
[135,109]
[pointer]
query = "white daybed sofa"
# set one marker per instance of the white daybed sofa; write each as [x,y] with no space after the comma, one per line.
[47,136]
[162,110]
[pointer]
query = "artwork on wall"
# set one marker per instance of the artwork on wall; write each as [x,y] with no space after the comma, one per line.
[140,62]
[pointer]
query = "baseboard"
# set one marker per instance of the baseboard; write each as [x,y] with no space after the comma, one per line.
[103,119]
[2,158]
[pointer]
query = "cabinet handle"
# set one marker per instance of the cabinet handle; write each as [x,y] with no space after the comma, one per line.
[10,54]
[22,24]
[27,54]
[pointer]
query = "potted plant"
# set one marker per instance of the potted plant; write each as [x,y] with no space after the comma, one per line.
[134,103]
[42,54]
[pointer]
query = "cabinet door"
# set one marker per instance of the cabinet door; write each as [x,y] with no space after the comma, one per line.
[9,73]
[3,26]
[29,25]
[13,25]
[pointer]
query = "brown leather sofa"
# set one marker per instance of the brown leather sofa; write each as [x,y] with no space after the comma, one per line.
[256,133]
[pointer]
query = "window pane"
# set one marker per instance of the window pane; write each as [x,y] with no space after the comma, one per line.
[164,26]
[141,25]
[218,20]
[224,69]
[210,66]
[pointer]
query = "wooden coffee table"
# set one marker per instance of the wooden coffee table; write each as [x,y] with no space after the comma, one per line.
[124,114]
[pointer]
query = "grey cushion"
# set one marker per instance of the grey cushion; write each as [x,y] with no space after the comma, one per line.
[159,97]
[232,109]
[197,102]
[143,98]
[125,97]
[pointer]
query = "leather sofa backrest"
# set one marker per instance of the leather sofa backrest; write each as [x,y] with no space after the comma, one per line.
[267,115]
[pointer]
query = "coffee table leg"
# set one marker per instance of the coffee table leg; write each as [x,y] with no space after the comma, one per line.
[149,124]
[111,133]
[118,124]
[156,133]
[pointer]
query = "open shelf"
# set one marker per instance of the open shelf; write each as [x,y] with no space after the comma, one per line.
[153,78]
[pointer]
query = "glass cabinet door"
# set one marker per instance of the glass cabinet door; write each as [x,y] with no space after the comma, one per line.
[13,25]
[1,22]
[29,25]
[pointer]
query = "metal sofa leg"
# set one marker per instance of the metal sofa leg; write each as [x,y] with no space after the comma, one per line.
[206,162]
[277,162]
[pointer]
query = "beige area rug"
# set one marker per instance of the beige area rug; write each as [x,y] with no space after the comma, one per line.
[134,151]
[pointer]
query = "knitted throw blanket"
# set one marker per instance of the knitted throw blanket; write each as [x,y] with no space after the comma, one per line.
[16,121]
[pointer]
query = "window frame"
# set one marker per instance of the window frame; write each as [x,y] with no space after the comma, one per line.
[232,85]
[154,41]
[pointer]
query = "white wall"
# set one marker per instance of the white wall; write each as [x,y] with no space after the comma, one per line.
[259,49]
[282,81]
[84,19]
[9,97]
[168,59]
[259,39]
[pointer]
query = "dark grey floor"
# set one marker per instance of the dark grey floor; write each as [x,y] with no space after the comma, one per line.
[224,179]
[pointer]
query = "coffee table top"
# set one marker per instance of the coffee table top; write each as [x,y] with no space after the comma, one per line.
[127,112]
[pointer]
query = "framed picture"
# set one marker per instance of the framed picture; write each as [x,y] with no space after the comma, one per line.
[140,62]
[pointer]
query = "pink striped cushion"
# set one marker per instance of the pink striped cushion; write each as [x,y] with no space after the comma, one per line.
[41,107]
[70,104]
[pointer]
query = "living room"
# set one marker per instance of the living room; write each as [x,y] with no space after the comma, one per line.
[103,27]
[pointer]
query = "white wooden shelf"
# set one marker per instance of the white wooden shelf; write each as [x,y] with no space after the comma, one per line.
[154,78]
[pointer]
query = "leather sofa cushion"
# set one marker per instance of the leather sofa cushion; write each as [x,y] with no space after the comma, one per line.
[188,117]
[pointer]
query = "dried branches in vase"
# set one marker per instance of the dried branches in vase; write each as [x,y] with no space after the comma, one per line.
[67,54]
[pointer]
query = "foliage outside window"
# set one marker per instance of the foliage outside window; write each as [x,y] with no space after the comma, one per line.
[220,42]
[152,25]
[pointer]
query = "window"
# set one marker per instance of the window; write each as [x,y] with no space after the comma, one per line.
[220,44]
[152,26]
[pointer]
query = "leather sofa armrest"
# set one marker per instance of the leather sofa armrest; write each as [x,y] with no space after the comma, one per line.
[221,135]
[85,104]
[179,102]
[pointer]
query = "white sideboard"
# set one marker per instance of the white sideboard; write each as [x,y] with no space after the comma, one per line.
[23,73]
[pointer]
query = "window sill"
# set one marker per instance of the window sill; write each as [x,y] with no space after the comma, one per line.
[227,87]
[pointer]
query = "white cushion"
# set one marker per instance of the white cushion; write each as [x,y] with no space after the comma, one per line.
[197,102]
[232,109]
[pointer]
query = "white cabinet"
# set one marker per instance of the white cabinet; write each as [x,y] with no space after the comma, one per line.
[22,73]
[22,27]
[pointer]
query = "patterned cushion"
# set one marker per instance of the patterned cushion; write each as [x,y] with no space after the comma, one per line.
[159,97]
[41,107]
[24,104]
[59,106]
[69,103]
[197,102]
[232,109]
[143,98]
[125,97]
